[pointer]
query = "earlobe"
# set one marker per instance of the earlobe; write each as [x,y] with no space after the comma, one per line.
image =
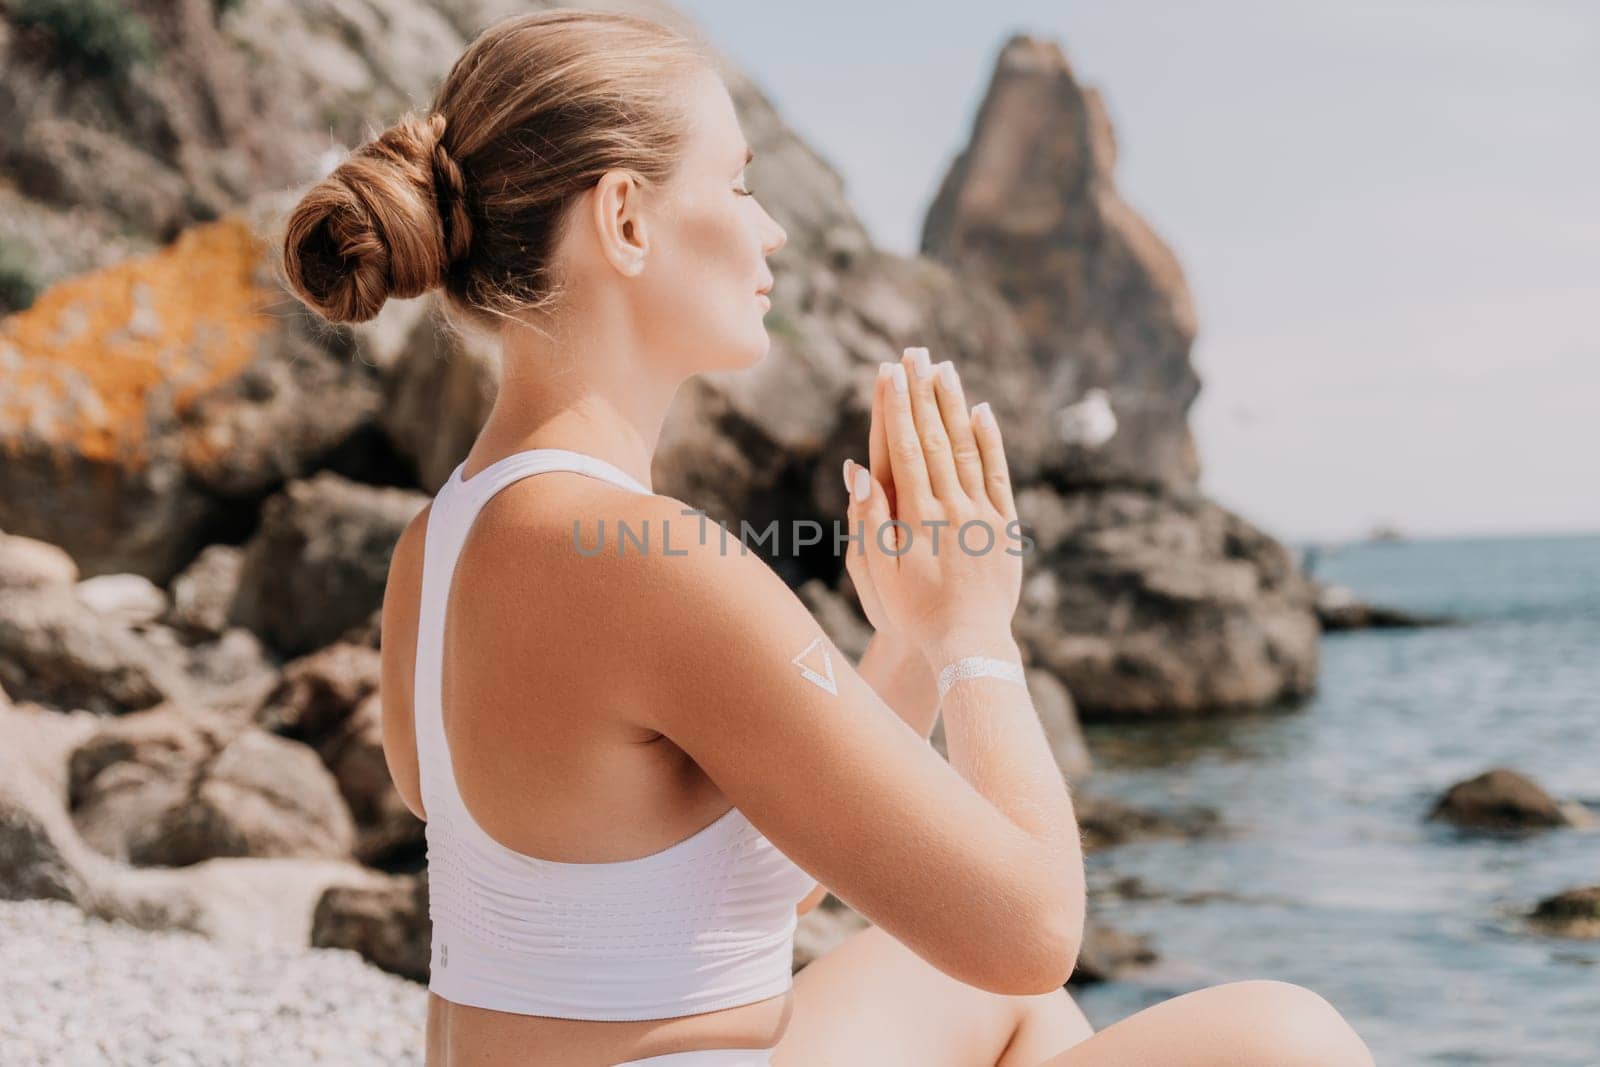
[621,230]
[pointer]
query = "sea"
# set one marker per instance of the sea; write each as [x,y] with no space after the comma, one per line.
[1329,874]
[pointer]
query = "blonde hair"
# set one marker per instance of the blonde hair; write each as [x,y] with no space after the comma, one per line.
[473,194]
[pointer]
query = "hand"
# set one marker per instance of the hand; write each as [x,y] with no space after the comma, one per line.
[951,568]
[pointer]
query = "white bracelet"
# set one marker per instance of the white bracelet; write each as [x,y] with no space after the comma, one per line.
[980,667]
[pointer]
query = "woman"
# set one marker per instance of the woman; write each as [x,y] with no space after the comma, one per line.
[635,766]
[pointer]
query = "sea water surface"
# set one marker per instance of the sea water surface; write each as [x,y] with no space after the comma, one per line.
[1331,877]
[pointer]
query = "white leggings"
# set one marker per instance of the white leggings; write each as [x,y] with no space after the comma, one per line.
[707,1057]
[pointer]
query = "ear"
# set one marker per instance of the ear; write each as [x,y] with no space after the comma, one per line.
[619,221]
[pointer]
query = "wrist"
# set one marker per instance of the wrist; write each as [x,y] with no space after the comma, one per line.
[996,643]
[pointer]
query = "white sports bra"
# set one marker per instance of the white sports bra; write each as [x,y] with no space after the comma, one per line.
[704,924]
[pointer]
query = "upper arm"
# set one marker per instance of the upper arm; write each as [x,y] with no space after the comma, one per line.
[402,596]
[828,772]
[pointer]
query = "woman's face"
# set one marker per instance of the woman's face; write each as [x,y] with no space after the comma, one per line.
[708,240]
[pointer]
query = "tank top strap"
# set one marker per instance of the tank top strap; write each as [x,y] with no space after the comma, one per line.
[455,506]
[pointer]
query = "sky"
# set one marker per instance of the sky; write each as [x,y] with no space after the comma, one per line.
[1388,214]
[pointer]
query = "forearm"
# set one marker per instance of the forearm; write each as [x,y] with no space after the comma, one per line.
[996,741]
[899,673]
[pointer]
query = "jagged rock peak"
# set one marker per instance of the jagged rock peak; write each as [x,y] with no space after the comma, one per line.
[1029,206]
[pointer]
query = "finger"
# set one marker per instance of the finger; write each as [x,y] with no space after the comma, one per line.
[855,563]
[930,425]
[878,439]
[906,464]
[868,515]
[996,475]
[958,424]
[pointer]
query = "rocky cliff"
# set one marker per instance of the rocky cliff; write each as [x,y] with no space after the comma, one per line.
[207,483]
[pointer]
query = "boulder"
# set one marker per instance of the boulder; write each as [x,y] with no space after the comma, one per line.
[318,692]
[57,650]
[1030,207]
[386,831]
[319,562]
[202,595]
[27,563]
[174,786]
[248,902]
[1571,913]
[40,853]
[386,922]
[1107,822]
[131,599]
[147,394]
[1108,953]
[1504,799]
[1148,604]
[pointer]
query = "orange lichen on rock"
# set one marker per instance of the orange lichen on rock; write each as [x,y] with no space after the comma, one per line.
[97,357]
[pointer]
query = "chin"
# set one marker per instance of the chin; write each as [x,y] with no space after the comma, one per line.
[746,353]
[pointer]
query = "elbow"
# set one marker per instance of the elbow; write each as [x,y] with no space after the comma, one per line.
[1038,958]
[1056,939]
[1062,946]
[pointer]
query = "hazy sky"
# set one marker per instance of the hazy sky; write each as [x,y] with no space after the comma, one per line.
[1389,215]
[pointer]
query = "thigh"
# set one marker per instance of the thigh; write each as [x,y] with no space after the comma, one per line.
[1253,1023]
[872,1001]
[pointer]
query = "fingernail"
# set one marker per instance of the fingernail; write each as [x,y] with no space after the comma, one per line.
[847,475]
[898,374]
[947,374]
[863,486]
[919,360]
[883,368]
[984,413]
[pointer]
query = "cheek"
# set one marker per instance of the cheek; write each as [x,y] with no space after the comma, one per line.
[704,280]
[706,262]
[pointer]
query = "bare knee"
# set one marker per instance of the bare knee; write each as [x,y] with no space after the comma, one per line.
[1285,1024]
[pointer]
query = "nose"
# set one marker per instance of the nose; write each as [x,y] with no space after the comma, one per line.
[776,238]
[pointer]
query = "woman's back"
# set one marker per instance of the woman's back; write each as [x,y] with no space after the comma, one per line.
[522,757]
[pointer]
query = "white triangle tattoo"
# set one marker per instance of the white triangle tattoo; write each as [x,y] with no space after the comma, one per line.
[824,679]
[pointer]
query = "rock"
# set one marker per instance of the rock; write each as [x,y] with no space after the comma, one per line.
[1571,913]
[26,563]
[1030,208]
[1339,608]
[1108,953]
[386,830]
[1503,799]
[1147,604]
[40,854]
[367,633]
[1106,822]
[56,650]
[249,902]
[316,693]
[131,599]
[93,420]
[232,673]
[387,923]
[320,560]
[202,595]
[244,901]
[174,786]
[438,392]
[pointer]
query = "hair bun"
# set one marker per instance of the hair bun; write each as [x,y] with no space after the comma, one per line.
[390,221]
